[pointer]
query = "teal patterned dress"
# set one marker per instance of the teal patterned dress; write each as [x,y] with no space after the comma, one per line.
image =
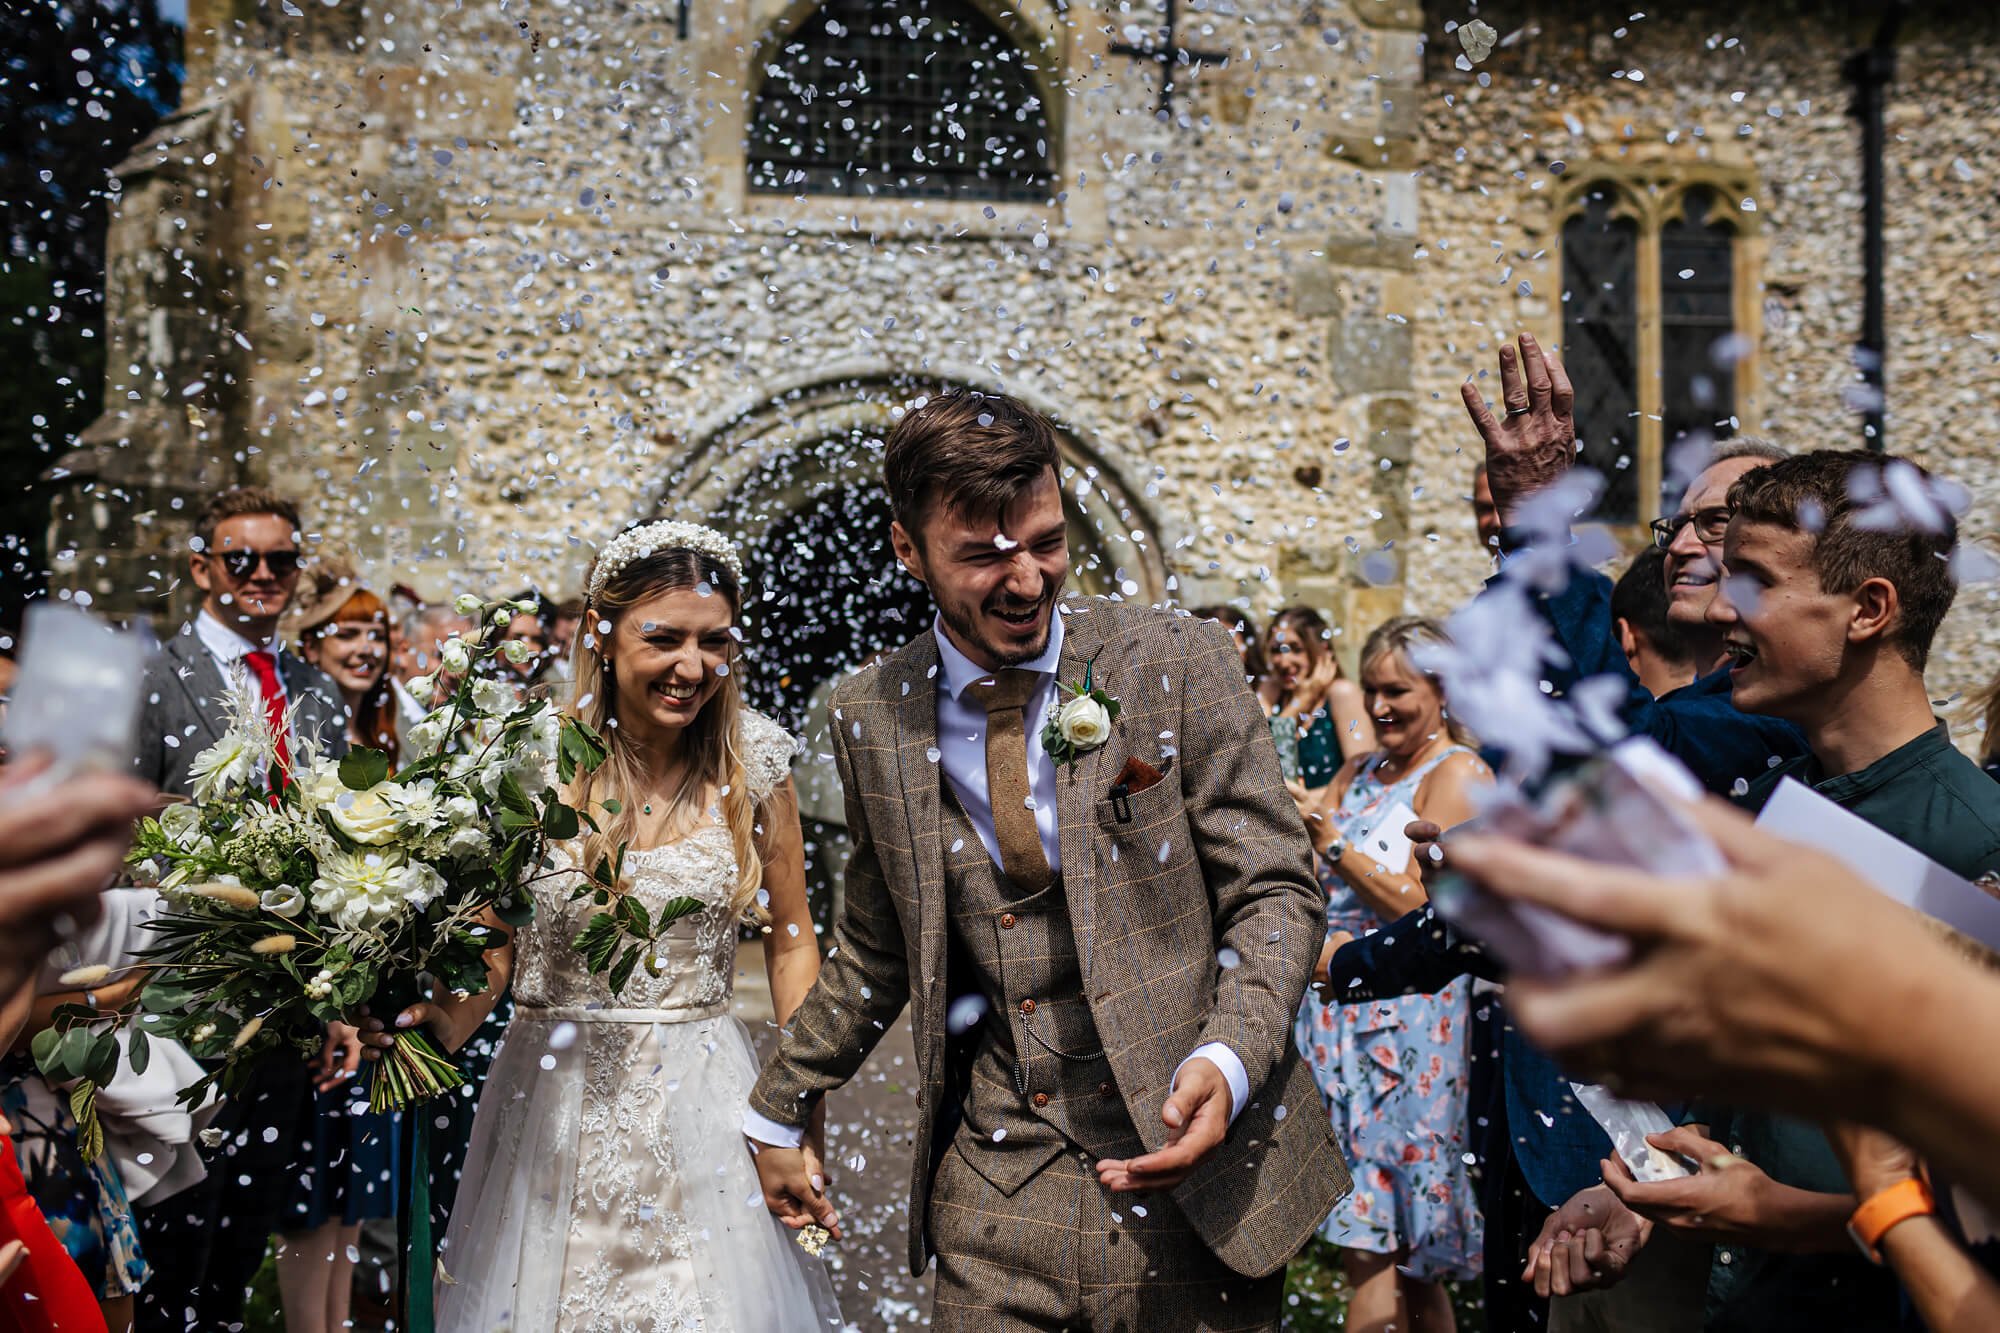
[84,1202]
[1393,1073]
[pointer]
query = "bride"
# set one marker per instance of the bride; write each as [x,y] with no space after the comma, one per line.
[608,1186]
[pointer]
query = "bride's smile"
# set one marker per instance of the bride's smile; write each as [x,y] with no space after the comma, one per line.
[668,656]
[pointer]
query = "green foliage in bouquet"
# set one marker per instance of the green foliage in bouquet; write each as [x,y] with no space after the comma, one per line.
[293,903]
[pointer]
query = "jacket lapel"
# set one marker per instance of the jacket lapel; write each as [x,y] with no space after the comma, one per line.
[1080,784]
[202,684]
[916,746]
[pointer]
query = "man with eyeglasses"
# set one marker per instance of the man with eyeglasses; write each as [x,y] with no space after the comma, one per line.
[1527,448]
[206,1243]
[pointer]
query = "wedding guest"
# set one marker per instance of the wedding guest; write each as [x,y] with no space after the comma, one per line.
[1827,616]
[1242,629]
[1655,646]
[1536,1145]
[1307,694]
[207,1243]
[348,1155]
[1393,1071]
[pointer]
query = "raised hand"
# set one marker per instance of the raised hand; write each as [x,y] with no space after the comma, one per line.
[1535,441]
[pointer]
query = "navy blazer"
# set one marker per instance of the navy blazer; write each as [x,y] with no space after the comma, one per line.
[1556,1142]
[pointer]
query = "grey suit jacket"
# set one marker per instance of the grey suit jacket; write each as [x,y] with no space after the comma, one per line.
[183,711]
[1196,913]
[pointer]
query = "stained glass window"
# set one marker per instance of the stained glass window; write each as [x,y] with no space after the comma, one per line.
[901,99]
[1601,345]
[1697,315]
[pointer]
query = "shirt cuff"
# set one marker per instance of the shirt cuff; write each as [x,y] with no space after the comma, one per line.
[1230,1063]
[769,1132]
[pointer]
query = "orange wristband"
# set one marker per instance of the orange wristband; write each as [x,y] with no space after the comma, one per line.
[1879,1212]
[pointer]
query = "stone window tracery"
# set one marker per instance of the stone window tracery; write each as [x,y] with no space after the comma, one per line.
[1657,304]
[900,99]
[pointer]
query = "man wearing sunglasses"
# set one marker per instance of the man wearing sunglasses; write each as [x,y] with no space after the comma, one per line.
[205,1244]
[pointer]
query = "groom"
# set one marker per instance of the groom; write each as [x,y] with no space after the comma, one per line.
[1103,953]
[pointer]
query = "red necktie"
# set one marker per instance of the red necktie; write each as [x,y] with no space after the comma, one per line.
[265,668]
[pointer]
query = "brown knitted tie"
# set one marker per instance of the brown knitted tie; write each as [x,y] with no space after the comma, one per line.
[1005,696]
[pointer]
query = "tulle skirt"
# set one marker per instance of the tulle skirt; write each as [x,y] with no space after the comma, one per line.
[608,1187]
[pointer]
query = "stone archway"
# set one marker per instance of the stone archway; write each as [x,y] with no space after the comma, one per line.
[795,476]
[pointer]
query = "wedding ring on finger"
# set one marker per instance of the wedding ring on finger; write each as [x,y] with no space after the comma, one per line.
[1520,411]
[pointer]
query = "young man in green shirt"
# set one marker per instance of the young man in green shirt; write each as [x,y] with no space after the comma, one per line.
[1833,590]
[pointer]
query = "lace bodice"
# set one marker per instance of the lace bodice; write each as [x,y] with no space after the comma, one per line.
[698,954]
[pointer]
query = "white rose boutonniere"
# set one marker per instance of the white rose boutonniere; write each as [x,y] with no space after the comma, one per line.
[1079,720]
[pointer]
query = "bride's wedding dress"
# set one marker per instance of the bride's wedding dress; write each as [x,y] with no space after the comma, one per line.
[608,1186]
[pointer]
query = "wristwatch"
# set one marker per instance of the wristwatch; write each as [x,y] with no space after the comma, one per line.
[1884,1209]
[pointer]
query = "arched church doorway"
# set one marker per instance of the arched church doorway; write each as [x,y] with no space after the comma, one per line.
[796,478]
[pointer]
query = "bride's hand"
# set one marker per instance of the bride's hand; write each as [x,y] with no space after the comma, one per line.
[794,1181]
[435,1015]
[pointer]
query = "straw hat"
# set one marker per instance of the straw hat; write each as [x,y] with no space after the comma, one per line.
[324,587]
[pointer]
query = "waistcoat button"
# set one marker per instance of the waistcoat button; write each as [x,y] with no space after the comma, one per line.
[1105,1090]
[1041,1100]
[1007,921]
[1027,1008]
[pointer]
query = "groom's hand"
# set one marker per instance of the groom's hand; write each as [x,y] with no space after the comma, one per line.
[1197,1120]
[794,1184]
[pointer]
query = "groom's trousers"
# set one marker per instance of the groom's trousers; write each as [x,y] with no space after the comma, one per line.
[1062,1252]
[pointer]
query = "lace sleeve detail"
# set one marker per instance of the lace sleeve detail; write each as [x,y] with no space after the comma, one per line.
[767,750]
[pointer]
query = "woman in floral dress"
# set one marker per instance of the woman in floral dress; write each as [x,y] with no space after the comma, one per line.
[1394,1072]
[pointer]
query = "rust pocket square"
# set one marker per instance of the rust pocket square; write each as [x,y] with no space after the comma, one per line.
[1135,777]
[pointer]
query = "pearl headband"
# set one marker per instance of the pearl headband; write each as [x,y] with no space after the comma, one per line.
[665,535]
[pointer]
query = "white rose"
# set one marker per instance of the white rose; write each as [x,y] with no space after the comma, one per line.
[454,656]
[466,604]
[284,901]
[1084,723]
[368,817]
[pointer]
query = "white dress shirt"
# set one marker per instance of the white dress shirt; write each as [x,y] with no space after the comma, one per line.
[229,648]
[961,728]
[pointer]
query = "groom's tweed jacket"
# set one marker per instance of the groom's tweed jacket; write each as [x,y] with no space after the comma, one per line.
[1196,919]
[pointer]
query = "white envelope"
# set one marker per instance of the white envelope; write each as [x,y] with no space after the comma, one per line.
[1385,842]
[1797,812]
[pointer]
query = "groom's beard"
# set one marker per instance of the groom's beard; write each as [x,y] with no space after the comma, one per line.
[966,624]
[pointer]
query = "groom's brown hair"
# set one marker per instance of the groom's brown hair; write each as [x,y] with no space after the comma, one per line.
[974,451]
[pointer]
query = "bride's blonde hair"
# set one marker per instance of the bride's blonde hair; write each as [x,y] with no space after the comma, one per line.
[712,741]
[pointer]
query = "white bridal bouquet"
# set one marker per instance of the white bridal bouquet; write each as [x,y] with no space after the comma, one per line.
[291,903]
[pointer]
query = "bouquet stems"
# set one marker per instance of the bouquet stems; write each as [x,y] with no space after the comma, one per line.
[412,1070]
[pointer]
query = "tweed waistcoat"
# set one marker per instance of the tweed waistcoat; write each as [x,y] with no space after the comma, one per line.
[1039,1081]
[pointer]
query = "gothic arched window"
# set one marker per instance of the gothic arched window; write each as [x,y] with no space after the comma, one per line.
[1651,315]
[901,99]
